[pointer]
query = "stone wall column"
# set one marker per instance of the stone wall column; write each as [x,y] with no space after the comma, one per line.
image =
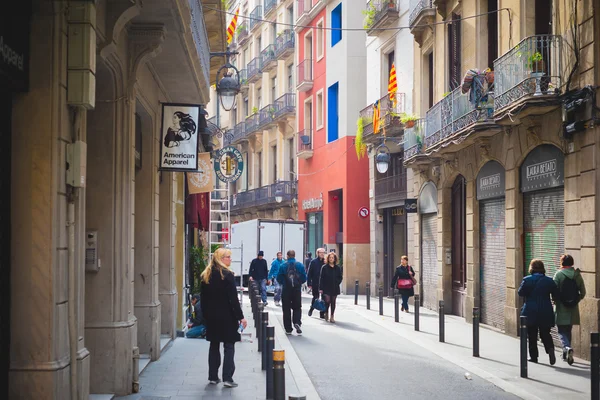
[514,254]
[167,289]
[444,241]
[473,266]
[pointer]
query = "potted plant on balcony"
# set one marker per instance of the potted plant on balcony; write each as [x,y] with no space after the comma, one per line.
[408,120]
[272,111]
[369,14]
[254,110]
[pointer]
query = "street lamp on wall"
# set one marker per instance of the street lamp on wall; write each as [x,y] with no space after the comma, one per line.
[279,192]
[382,159]
[229,84]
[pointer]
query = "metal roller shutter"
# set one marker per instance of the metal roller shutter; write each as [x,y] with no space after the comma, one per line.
[429,260]
[544,222]
[492,262]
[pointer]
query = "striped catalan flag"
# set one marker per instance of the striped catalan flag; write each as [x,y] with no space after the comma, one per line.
[393,86]
[232,26]
[376,116]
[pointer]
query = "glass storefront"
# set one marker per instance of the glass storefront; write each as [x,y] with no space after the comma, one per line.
[315,231]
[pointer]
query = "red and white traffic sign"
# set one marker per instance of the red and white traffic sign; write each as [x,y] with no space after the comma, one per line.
[363,212]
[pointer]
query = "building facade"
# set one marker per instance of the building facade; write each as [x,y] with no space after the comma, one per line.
[504,169]
[333,183]
[262,122]
[93,252]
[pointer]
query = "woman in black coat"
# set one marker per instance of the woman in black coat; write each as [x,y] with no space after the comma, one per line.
[405,273]
[537,288]
[223,315]
[329,285]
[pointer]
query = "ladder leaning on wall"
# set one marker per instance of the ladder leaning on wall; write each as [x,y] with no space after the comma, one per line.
[219,218]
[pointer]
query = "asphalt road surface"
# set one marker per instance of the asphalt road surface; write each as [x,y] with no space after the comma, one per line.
[356,359]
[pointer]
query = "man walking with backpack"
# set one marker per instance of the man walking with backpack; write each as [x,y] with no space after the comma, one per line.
[571,290]
[291,276]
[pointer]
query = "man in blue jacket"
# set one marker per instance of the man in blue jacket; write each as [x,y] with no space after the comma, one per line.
[278,262]
[291,276]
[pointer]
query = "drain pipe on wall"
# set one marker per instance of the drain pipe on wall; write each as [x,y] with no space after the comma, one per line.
[72,320]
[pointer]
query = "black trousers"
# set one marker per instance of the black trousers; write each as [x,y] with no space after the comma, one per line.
[214,361]
[291,301]
[532,335]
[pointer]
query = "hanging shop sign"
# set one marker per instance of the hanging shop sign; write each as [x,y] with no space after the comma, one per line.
[229,164]
[410,205]
[491,181]
[14,46]
[363,212]
[201,181]
[313,204]
[543,168]
[179,137]
[399,211]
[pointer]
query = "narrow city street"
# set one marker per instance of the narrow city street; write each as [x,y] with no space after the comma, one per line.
[357,359]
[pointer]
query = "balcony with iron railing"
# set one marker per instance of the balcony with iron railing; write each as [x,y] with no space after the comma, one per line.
[268,60]
[390,188]
[413,140]
[303,8]
[238,133]
[422,13]
[270,5]
[390,118]
[201,39]
[459,114]
[253,69]
[529,72]
[305,145]
[381,14]
[305,76]
[242,33]
[252,123]
[285,44]
[285,106]
[265,196]
[228,137]
[255,17]
[266,116]
[244,84]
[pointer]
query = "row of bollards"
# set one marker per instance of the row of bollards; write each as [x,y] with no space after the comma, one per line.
[272,361]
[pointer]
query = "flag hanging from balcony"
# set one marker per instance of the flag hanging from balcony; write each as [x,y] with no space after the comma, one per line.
[232,26]
[393,86]
[376,116]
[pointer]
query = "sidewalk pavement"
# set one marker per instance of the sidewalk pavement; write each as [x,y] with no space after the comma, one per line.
[182,370]
[499,360]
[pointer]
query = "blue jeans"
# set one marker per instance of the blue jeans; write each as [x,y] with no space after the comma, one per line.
[564,333]
[196,332]
[277,290]
[263,290]
[405,301]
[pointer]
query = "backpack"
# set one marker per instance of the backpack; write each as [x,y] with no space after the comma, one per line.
[293,277]
[569,293]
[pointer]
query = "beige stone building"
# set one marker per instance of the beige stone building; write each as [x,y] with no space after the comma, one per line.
[503,173]
[262,124]
[92,265]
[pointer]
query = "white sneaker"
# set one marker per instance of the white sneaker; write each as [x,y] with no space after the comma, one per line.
[277,304]
[231,384]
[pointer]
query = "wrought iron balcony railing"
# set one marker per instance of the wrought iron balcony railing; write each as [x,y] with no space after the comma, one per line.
[198,29]
[380,14]
[305,77]
[238,132]
[243,78]
[456,112]
[255,17]
[252,123]
[285,44]
[265,196]
[253,69]
[531,68]
[413,139]
[390,188]
[242,32]
[416,8]
[303,7]
[266,116]
[390,115]
[305,140]
[285,105]
[270,5]
[268,60]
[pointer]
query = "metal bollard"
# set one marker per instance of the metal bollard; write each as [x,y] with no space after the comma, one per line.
[441,313]
[380,300]
[595,367]
[278,375]
[356,292]
[269,352]
[368,292]
[417,307]
[296,397]
[263,332]
[396,306]
[523,333]
[259,327]
[475,331]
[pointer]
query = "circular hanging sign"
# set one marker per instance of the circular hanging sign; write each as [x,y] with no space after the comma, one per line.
[363,212]
[229,164]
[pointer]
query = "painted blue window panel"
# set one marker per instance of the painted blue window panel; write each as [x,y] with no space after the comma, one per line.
[336,24]
[333,120]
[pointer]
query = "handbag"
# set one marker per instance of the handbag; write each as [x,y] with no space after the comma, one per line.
[320,305]
[405,283]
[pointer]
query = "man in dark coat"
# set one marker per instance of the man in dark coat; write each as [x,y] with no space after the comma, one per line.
[259,273]
[291,293]
[197,327]
[314,272]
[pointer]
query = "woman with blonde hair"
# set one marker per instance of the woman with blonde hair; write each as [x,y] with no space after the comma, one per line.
[223,315]
[537,289]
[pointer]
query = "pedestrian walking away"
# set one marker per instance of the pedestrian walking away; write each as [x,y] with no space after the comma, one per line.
[571,290]
[404,282]
[538,289]
[259,273]
[329,285]
[314,273]
[196,325]
[291,276]
[275,265]
[307,262]
[223,314]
